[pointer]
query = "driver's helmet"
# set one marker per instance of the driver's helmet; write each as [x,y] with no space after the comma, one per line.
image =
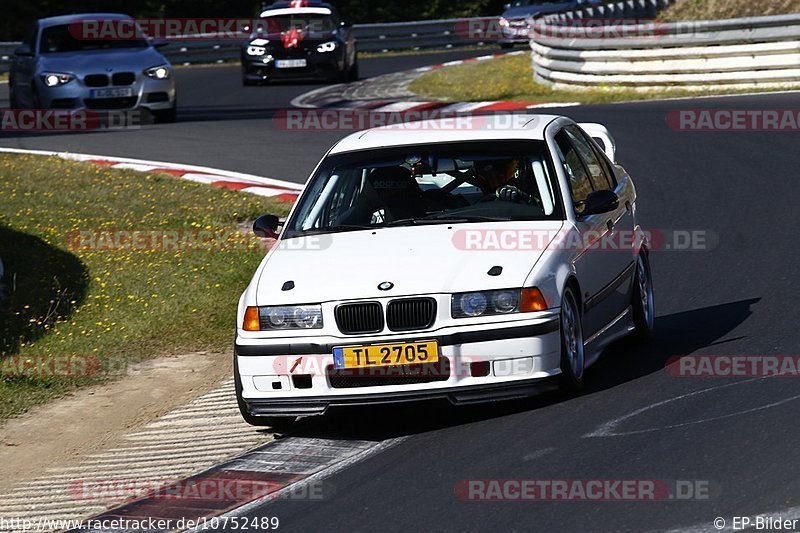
[494,173]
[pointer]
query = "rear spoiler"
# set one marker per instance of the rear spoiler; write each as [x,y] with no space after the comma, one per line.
[602,136]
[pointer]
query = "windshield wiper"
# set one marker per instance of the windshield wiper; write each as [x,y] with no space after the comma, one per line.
[444,219]
[330,229]
[468,218]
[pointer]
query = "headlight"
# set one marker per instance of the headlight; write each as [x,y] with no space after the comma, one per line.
[283,317]
[160,72]
[502,302]
[256,50]
[54,79]
[503,22]
[330,46]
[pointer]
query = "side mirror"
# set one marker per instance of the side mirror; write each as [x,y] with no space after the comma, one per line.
[23,50]
[266,226]
[600,202]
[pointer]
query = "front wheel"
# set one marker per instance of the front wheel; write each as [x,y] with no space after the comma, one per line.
[572,350]
[353,73]
[642,300]
[13,103]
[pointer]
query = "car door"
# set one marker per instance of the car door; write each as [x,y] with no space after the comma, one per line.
[601,266]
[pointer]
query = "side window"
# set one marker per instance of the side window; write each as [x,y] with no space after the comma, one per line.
[596,172]
[579,183]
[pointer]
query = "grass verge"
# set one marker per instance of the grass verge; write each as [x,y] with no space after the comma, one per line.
[75,312]
[511,78]
[727,9]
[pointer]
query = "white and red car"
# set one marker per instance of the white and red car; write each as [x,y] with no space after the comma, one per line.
[429,261]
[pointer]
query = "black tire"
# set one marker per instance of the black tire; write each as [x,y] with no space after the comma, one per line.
[352,75]
[506,46]
[247,82]
[642,300]
[12,96]
[572,350]
[275,422]
[36,102]
[166,116]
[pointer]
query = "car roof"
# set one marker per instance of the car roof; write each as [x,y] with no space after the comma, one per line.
[455,129]
[303,7]
[69,19]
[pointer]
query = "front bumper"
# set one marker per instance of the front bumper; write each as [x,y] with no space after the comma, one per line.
[517,359]
[319,66]
[515,34]
[146,92]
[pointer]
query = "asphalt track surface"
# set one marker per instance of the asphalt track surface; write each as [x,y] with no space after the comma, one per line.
[634,420]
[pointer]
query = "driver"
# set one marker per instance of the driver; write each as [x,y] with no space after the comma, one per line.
[494,177]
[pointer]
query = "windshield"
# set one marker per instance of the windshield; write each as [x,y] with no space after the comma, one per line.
[58,39]
[307,24]
[415,185]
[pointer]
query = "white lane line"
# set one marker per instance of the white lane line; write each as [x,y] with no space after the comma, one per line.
[608,428]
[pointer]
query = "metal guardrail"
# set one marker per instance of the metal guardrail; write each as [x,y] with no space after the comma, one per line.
[756,52]
[371,38]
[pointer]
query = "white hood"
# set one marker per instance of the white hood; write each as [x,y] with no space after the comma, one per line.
[416,259]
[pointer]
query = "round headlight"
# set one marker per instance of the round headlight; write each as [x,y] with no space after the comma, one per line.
[473,304]
[51,80]
[306,317]
[276,317]
[505,301]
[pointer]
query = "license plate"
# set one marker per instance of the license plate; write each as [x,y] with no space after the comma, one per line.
[290,63]
[111,93]
[374,355]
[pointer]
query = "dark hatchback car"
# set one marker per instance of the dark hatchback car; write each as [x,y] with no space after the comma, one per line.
[300,40]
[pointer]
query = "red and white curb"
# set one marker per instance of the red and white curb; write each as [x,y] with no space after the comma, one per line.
[326,96]
[278,189]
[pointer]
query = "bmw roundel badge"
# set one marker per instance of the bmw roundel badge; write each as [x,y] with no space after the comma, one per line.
[385,286]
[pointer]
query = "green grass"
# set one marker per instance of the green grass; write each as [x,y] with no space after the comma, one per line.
[511,78]
[725,9]
[118,306]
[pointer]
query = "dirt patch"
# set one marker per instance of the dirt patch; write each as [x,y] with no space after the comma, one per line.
[91,419]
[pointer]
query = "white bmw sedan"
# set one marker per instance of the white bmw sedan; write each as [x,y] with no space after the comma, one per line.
[429,261]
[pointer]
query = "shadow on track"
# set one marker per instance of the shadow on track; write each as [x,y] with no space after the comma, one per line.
[676,334]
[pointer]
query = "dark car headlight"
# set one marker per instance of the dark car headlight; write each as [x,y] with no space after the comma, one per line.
[54,79]
[270,317]
[497,302]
